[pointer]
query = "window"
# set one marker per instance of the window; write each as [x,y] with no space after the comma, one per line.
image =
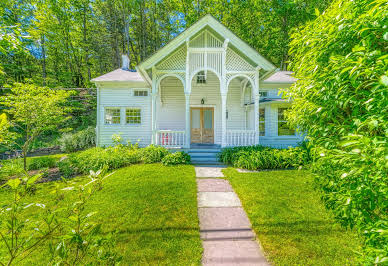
[112,115]
[262,121]
[263,93]
[140,93]
[283,128]
[201,77]
[133,115]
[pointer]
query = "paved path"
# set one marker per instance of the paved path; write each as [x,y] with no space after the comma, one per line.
[225,229]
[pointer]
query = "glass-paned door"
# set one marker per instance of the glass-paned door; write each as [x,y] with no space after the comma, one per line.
[202,125]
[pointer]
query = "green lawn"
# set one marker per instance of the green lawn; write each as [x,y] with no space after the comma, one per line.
[290,221]
[152,209]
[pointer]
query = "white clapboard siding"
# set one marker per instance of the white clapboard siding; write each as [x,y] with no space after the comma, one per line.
[123,97]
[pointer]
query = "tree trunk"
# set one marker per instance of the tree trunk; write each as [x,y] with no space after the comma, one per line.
[43,60]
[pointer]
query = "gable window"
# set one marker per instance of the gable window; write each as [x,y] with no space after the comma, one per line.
[262,121]
[133,115]
[140,93]
[112,115]
[201,77]
[283,128]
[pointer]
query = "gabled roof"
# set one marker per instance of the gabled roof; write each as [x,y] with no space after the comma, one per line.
[207,21]
[120,75]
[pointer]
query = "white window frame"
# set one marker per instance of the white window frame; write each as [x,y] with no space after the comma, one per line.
[282,121]
[105,113]
[202,77]
[263,91]
[141,115]
[262,122]
[140,89]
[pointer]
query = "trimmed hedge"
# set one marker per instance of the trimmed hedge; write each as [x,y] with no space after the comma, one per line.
[260,157]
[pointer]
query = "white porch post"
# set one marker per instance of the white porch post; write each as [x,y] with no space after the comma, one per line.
[224,93]
[187,95]
[223,120]
[257,98]
[188,128]
[153,107]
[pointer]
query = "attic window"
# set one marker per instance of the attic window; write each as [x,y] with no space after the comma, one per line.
[140,93]
[201,77]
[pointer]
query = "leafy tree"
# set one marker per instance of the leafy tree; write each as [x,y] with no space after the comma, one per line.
[34,110]
[340,100]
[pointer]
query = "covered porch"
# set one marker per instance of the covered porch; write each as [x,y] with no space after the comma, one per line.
[206,116]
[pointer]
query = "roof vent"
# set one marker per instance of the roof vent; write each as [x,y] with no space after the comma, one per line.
[125,62]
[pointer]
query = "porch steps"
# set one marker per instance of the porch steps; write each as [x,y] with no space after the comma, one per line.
[204,156]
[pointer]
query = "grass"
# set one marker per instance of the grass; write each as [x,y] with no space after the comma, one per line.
[290,221]
[151,209]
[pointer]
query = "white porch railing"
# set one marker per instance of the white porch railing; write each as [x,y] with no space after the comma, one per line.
[170,138]
[240,137]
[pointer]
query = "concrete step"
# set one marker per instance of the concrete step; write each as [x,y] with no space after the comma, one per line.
[203,154]
[207,163]
[204,151]
[204,159]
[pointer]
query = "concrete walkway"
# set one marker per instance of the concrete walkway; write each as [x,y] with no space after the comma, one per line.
[225,229]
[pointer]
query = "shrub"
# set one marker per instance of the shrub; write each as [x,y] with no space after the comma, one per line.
[259,157]
[176,158]
[340,101]
[71,142]
[97,158]
[36,163]
[153,154]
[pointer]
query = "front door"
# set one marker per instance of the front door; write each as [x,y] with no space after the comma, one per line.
[202,125]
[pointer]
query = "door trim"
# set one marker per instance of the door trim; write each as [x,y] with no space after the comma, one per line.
[204,106]
[215,115]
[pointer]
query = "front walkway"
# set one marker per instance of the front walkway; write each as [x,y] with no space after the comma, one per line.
[226,232]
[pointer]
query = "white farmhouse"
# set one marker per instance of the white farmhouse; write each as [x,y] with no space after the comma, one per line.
[206,86]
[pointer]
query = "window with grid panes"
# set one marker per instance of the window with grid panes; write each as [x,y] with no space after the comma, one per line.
[262,121]
[133,115]
[283,128]
[140,93]
[112,115]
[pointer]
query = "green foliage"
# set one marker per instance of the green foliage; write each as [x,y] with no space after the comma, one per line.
[72,238]
[41,162]
[33,111]
[153,154]
[260,157]
[176,158]
[97,158]
[340,100]
[71,142]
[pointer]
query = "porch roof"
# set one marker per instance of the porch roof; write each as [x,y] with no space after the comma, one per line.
[282,77]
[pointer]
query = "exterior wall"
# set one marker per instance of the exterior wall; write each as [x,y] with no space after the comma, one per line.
[170,112]
[122,96]
[271,137]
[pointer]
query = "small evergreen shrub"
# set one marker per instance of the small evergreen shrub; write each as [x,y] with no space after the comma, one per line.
[153,154]
[71,142]
[260,157]
[176,158]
